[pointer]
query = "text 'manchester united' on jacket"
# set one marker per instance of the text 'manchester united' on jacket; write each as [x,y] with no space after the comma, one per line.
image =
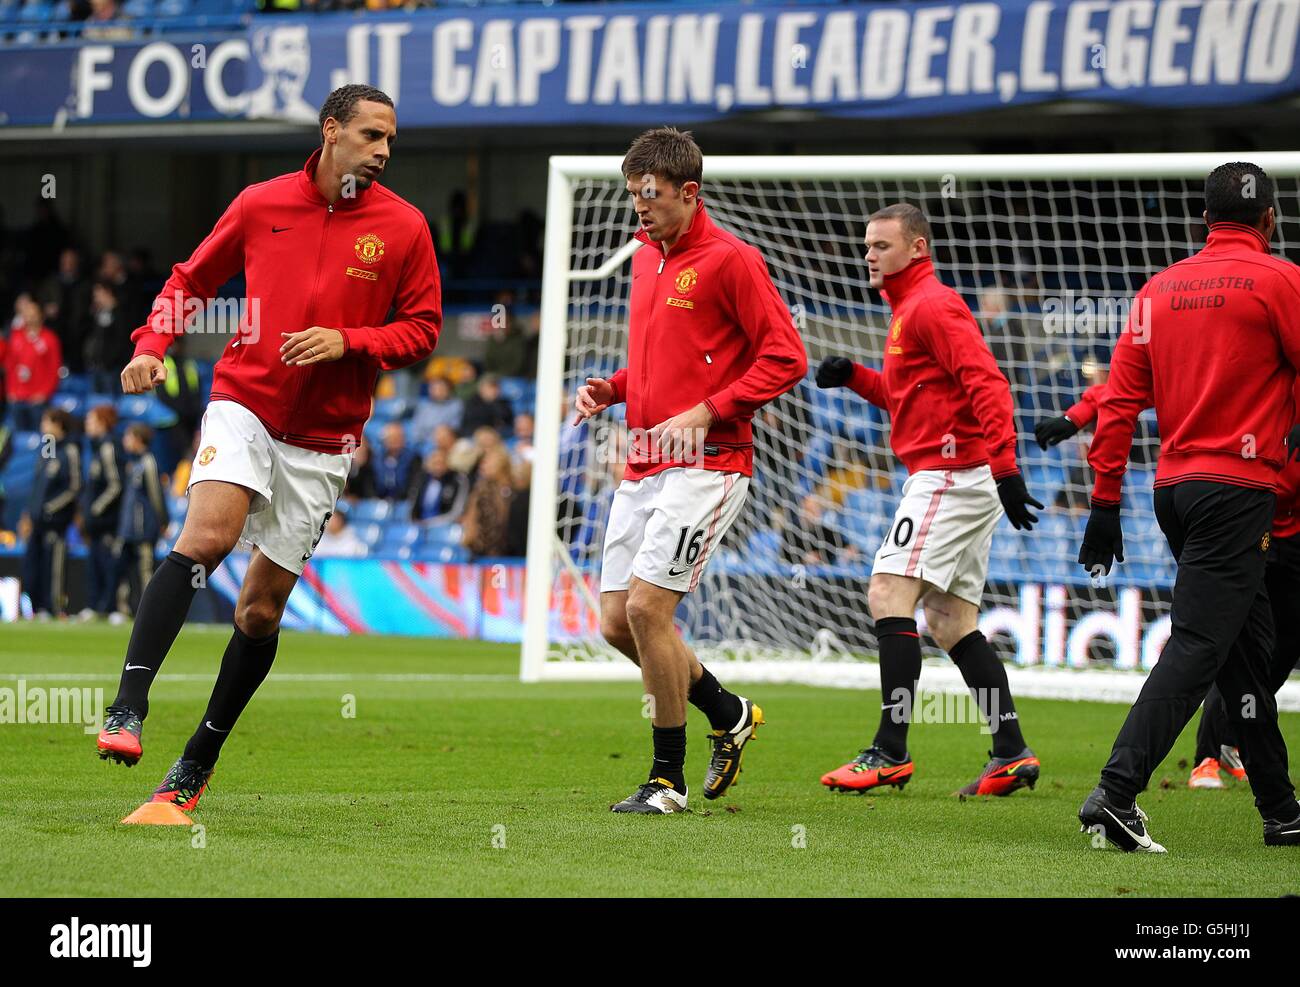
[308,263]
[1212,342]
[706,326]
[949,405]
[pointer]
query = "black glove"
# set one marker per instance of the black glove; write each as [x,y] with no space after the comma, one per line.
[835,371]
[1293,442]
[1016,501]
[1103,540]
[1051,431]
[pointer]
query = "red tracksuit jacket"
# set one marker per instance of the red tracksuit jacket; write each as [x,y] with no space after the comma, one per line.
[1222,339]
[706,325]
[1286,517]
[949,405]
[308,263]
[31,366]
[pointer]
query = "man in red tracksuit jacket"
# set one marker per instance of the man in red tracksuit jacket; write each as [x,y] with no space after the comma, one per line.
[709,343]
[1213,344]
[327,253]
[951,425]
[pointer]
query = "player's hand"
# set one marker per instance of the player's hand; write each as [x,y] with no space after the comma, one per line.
[1053,431]
[314,345]
[1103,540]
[835,371]
[593,397]
[680,437]
[143,373]
[1293,442]
[1016,501]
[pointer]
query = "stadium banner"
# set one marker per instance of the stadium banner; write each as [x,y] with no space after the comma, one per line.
[633,64]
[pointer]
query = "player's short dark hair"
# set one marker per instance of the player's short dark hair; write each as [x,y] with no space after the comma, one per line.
[1238,192]
[61,418]
[909,217]
[666,153]
[341,104]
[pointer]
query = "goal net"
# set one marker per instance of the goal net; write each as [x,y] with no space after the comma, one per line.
[1047,251]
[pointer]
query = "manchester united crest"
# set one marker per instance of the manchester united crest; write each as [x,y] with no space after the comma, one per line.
[369,248]
[896,329]
[207,455]
[686,280]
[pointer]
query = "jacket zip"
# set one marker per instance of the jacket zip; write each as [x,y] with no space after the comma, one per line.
[311,307]
[645,340]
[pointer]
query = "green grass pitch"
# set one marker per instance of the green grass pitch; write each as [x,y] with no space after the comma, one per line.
[463,781]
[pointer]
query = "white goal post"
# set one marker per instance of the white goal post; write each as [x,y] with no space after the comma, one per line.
[1047,250]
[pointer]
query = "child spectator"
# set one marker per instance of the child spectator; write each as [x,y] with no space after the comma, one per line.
[31,364]
[144,514]
[51,509]
[487,515]
[101,504]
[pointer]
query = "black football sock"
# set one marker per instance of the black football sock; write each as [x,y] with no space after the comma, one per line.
[900,670]
[244,667]
[986,677]
[724,709]
[670,756]
[164,605]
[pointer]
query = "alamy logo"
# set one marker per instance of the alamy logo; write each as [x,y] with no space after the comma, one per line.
[75,941]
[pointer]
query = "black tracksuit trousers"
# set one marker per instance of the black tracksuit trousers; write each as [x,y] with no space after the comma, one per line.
[1222,635]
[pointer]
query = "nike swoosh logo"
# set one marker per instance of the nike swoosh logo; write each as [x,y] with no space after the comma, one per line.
[1142,841]
[145,667]
[884,775]
[208,724]
[677,572]
[280,229]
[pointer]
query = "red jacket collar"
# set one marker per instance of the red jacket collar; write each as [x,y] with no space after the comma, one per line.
[307,182]
[900,284]
[700,227]
[1226,234]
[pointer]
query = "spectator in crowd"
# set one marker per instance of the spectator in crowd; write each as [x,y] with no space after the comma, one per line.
[457,232]
[530,228]
[65,298]
[6,450]
[101,503]
[485,530]
[183,394]
[339,540]
[108,346]
[521,475]
[50,510]
[394,464]
[441,408]
[105,22]
[180,483]
[487,407]
[439,493]
[808,540]
[32,358]
[506,354]
[360,484]
[144,515]
[444,438]
[43,241]
[136,304]
[523,438]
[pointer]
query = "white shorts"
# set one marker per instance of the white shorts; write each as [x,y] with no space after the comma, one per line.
[943,530]
[294,490]
[664,528]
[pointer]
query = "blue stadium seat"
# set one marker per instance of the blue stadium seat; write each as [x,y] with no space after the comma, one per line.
[138,8]
[399,510]
[73,404]
[388,409]
[374,509]
[399,535]
[440,553]
[440,534]
[372,533]
[173,8]
[36,12]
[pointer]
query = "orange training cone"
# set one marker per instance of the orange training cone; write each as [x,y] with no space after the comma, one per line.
[159,814]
